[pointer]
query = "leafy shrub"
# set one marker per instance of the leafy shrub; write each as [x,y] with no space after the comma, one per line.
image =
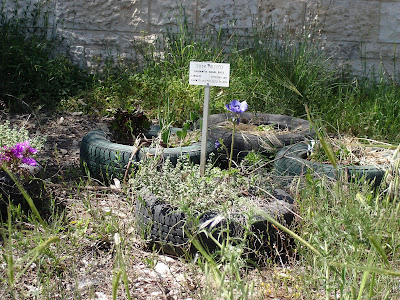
[223,191]
[10,136]
[31,72]
[127,124]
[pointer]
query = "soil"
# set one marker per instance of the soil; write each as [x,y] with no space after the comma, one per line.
[89,271]
[258,130]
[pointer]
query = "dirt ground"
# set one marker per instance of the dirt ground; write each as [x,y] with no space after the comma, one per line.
[88,272]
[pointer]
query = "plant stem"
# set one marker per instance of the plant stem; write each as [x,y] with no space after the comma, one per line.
[26,196]
[233,140]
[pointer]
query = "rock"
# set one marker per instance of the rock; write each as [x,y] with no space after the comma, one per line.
[162,269]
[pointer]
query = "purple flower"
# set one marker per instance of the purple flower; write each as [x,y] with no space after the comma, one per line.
[21,149]
[18,150]
[29,161]
[32,150]
[237,107]
[217,144]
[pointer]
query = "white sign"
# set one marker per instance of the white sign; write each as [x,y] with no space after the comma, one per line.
[213,74]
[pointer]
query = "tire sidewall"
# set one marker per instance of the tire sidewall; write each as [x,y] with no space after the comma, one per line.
[101,156]
[291,161]
[248,142]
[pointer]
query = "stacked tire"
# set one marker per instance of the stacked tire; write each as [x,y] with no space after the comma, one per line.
[296,130]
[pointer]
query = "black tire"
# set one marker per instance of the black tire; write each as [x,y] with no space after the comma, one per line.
[292,161]
[244,143]
[104,159]
[168,227]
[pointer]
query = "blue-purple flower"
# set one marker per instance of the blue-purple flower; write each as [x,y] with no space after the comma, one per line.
[237,107]
[217,144]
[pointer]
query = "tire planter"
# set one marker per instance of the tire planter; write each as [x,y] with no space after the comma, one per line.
[292,161]
[105,159]
[244,143]
[170,229]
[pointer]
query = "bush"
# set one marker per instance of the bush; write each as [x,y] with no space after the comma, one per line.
[32,74]
[9,136]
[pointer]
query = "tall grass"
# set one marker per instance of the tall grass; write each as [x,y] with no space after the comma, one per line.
[276,72]
[355,229]
[34,67]
[272,74]
[367,106]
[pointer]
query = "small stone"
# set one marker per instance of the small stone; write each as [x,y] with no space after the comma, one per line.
[162,269]
[100,296]
[167,258]
[180,278]
[117,183]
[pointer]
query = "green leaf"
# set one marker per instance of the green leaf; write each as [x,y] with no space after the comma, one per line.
[321,137]
[380,250]
[369,269]
[26,196]
[165,136]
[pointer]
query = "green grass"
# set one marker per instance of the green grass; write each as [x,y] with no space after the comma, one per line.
[355,229]
[33,75]
[274,74]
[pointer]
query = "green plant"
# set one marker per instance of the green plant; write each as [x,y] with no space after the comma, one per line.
[128,124]
[33,74]
[120,269]
[350,213]
[17,268]
[182,186]
[10,136]
[17,150]
[237,108]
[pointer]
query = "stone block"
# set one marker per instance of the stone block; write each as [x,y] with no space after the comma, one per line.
[342,49]
[226,14]
[372,67]
[120,16]
[283,14]
[390,22]
[384,50]
[355,20]
[91,48]
[168,13]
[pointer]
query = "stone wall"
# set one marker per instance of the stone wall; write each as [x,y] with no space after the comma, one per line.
[358,32]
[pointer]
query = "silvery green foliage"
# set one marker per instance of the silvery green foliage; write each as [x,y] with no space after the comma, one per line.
[9,136]
[183,187]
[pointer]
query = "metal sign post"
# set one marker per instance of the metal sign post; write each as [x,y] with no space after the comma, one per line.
[204,130]
[207,74]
